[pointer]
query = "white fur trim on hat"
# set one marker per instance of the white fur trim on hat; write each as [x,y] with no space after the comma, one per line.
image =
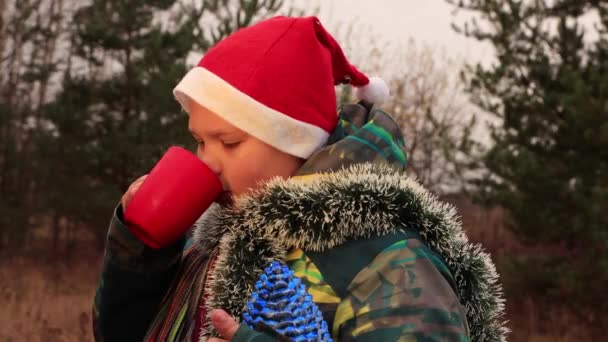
[279,130]
[376,91]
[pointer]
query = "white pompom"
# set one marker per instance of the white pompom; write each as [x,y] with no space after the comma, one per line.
[375,92]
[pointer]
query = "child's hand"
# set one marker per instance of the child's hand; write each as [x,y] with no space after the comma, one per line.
[126,198]
[225,325]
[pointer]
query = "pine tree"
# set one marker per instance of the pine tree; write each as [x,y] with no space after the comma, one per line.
[548,165]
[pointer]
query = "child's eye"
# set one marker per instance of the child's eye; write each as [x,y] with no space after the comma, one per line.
[230,144]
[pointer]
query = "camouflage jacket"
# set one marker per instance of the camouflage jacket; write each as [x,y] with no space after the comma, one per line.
[382,258]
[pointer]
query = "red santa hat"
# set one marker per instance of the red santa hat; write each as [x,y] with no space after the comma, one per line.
[275,80]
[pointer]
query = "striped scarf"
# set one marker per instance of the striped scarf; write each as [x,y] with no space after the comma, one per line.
[179,318]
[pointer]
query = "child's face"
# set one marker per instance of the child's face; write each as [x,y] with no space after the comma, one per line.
[240,160]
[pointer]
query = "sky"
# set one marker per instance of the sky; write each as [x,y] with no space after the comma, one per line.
[426,21]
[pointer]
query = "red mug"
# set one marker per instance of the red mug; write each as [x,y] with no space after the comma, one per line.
[175,194]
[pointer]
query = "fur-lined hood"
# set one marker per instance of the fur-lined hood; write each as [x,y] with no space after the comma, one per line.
[318,212]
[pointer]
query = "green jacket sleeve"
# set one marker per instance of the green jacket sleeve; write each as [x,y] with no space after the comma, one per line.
[133,282]
[406,292]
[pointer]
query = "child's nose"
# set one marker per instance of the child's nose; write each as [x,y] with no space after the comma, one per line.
[212,162]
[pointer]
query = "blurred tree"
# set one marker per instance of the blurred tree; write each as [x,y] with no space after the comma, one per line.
[216,19]
[437,119]
[427,101]
[549,163]
[29,34]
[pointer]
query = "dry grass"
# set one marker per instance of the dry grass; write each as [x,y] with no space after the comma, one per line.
[45,300]
[530,319]
[538,322]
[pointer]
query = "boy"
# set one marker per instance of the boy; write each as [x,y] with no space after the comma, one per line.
[327,195]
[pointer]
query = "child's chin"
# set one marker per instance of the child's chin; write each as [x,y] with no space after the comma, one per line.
[225,199]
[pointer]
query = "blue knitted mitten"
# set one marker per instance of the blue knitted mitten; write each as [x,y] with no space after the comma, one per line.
[280,301]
